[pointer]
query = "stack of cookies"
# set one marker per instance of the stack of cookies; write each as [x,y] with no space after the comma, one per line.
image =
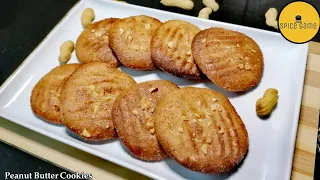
[197,127]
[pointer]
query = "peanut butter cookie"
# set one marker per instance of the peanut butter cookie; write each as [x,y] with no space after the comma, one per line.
[230,59]
[45,95]
[171,49]
[201,130]
[133,114]
[93,43]
[87,98]
[130,40]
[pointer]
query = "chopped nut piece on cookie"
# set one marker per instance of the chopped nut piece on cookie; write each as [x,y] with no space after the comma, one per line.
[92,87]
[96,108]
[108,98]
[197,116]
[152,130]
[247,66]
[85,133]
[129,38]
[149,125]
[204,149]
[221,131]
[193,134]
[213,107]
[170,44]
[252,50]
[135,112]
[240,66]
[147,26]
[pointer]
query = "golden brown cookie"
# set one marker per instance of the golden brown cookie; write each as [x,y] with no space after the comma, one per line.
[45,95]
[93,43]
[230,59]
[201,130]
[87,98]
[133,114]
[171,49]
[130,40]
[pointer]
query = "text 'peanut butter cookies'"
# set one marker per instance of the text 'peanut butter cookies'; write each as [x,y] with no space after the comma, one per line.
[230,59]
[171,49]
[201,130]
[133,114]
[46,93]
[87,98]
[93,44]
[130,40]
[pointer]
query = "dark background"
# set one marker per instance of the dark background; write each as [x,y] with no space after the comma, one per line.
[24,24]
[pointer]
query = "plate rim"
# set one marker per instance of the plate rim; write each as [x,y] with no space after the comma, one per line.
[297,109]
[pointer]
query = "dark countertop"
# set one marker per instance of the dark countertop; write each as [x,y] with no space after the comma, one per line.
[24,24]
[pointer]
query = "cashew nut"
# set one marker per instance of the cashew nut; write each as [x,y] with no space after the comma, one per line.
[271,18]
[265,104]
[66,49]
[205,13]
[183,4]
[87,17]
[211,4]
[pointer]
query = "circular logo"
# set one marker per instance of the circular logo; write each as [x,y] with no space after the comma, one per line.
[299,22]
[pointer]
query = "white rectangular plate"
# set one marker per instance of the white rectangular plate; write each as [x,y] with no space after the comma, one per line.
[271,141]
